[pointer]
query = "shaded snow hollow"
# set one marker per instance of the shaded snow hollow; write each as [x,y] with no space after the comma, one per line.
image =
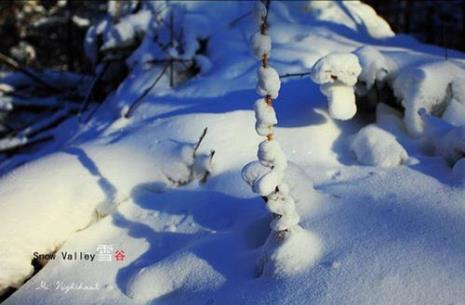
[390,235]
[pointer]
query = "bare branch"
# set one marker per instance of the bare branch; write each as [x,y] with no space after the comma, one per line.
[295,74]
[207,173]
[238,19]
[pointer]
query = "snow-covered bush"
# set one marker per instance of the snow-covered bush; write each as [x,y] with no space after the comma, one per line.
[436,88]
[125,24]
[337,74]
[281,252]
[192,165]
[376,69]
[431,86]
[377,147]
[447,140]
[153,33]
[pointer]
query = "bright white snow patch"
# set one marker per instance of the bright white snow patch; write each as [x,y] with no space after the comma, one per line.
[353,14]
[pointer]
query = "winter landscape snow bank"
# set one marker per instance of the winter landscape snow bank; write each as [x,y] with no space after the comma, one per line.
[366,155]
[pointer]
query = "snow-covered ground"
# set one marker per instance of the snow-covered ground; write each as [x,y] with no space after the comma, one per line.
[385,205]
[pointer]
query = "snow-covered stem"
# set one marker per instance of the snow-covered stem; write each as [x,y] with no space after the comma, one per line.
[238,19]
[267,174]
[270,147]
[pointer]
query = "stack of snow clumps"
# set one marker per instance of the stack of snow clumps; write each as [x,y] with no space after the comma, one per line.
[289,248]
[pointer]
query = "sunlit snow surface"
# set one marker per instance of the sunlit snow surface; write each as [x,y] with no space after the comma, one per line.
[389,235]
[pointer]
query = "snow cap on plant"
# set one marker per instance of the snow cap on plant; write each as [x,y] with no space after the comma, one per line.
[337,74]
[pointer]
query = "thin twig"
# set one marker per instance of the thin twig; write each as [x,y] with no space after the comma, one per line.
[238,19]
[207,173]
[86,100]
[295,74]
[136,103]
[10,62]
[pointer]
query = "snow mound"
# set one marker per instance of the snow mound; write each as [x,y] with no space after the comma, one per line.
[353,14]
[299,251]
[47,227]
[376,147]
[66,204]
[182,271]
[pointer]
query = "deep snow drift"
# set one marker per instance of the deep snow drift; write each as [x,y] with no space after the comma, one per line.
[379,193]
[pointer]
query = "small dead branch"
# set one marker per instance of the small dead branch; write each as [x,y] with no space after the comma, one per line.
[86,101]
[238,19]
[197,145]
[207,173]
[45,124]
[295,74]
[138,101]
